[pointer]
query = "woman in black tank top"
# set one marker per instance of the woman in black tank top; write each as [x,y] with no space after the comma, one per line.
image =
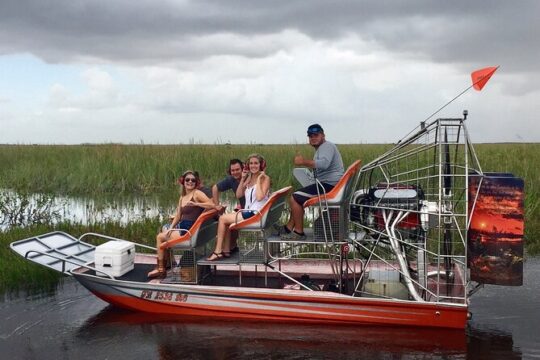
[191,204]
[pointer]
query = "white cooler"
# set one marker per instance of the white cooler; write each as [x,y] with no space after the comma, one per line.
[115,257]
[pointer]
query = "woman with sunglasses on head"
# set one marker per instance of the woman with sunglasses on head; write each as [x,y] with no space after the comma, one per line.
[255,186]
[191,204]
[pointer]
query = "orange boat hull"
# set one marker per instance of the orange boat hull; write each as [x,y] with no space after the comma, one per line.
[294,306]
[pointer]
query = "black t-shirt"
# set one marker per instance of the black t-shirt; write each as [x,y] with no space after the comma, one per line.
[207,191]
[230,183]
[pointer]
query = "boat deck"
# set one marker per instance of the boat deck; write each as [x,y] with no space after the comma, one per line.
[228,272]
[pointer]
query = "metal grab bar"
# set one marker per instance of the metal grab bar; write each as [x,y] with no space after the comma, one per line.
[116,239]
[63,260]
[257,212]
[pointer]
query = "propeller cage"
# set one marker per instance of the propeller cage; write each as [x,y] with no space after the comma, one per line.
[412,207]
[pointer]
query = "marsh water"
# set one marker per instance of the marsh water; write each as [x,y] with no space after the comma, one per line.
[84,210]
[68,322]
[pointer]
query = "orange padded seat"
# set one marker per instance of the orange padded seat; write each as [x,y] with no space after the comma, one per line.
[268,214]
[335,196]
[203,230]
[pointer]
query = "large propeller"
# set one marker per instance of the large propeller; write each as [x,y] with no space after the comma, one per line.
[447,186]
[447,179]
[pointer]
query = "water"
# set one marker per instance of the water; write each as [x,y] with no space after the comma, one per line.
[71,323]
[85,210]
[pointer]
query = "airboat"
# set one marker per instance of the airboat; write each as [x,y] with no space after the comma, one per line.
[404,240]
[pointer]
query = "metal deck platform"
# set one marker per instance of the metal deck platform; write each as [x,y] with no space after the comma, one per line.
[56,250]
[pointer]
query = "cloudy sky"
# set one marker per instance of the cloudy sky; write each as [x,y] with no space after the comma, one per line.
[215,71]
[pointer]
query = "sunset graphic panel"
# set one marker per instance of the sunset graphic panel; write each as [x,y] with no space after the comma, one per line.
[495,241]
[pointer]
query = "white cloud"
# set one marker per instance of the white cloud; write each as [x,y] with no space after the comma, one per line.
[212,71]
[99,92]
[98,80]
[58,96]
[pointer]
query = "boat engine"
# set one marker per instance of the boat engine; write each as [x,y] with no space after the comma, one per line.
[368,208]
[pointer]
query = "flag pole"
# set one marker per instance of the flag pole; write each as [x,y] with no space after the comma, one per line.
[480,79]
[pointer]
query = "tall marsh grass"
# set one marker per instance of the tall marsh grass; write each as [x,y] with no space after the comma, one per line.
[141,169]
[144,169]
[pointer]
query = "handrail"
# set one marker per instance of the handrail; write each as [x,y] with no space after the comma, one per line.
[257,213]
[117,239]
[63,260]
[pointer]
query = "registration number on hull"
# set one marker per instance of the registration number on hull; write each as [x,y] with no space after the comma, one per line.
[163,296]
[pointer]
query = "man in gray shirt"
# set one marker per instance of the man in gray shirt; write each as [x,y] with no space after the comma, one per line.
[327,166]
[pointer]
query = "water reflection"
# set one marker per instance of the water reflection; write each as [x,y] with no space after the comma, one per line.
[124,209]
[25,209]
[193,338]
[70,323]
[206,339]
[491,344]
[103,208]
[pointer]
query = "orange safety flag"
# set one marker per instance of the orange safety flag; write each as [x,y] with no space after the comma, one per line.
[481,77]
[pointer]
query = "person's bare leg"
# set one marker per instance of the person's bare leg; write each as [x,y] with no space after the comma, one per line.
[160,270]
[222,230]
[232,235]
[223,225]
[226,248]
[297,217]
[290,223]
[160,239]
[219,240]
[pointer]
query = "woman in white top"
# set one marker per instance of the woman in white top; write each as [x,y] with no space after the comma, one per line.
[255,186]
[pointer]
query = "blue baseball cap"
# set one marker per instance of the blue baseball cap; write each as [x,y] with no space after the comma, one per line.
[314,129]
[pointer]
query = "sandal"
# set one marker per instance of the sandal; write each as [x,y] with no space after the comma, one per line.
[159,271]
[157,274]
[218,256]
[234,250]
[226,254]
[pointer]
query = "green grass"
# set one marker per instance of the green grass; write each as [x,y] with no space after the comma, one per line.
[93,170]
[18,274]
[141,169]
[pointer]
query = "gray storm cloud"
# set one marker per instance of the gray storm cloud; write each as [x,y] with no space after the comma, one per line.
[288,61]
[461,32]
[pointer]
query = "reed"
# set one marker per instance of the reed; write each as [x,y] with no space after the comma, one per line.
[144,169]
[141,169]
[17,273]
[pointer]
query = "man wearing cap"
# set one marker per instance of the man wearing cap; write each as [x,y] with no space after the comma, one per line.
[327,167]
